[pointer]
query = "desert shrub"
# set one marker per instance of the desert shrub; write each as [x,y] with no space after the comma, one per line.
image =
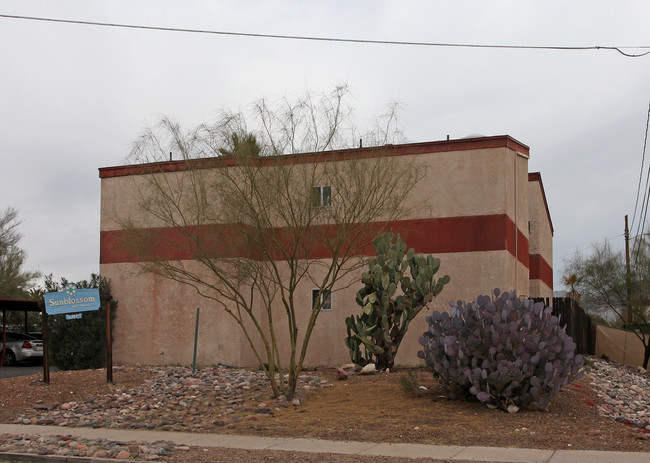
[411,381]
[408,382]
[502,350]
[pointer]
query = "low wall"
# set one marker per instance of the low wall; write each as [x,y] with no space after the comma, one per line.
[619,345]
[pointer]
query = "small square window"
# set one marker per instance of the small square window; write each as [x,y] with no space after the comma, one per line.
[325,299]
[322,196]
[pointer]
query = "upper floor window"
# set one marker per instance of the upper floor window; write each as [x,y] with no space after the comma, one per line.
[322,196]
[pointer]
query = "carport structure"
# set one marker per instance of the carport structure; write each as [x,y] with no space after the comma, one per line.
[21,305]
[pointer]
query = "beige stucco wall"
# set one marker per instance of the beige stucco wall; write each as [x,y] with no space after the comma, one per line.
[513,171]
[156,318]
[457,183]
[541,235]
[462,183]
[541,239]
[619,345]
[539,289]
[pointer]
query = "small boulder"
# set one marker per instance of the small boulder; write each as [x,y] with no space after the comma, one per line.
[369,369]
[349,367]
[341,374]
[122,455]
[134,449]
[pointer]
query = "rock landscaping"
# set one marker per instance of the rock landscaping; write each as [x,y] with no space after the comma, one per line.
[625,392]
[67,446]
[177,400]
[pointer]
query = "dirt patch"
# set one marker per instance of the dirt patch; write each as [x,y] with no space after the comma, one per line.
[376,409]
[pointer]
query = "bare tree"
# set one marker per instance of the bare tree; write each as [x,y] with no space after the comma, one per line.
[259,228]
[601,281]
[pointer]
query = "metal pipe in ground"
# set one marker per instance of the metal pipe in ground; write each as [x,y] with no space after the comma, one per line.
[196,337]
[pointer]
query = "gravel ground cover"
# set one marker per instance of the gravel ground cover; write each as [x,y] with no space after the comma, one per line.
[625,393]
[174,399]
[606,410]
[61,445]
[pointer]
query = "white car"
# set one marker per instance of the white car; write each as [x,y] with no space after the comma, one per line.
[20,347]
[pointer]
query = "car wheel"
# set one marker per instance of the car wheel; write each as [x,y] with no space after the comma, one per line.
[10,358]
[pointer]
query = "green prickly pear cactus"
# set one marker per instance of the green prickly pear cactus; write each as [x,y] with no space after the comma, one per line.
[386,312]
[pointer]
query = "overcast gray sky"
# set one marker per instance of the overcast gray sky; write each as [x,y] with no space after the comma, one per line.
[74,97]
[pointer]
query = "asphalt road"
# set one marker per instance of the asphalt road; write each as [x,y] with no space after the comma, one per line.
[23,370]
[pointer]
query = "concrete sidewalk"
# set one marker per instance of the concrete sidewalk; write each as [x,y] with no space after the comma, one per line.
[436,452]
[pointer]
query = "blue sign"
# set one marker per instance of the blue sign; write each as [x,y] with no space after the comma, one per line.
[73,316]
[72,300]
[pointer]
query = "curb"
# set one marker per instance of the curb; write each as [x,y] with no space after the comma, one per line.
[368,449]
[30,457]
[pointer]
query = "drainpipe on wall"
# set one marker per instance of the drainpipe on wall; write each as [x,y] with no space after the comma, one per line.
[516,228]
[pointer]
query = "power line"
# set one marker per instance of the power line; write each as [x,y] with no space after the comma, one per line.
[638,188]
[555,259]
[646,194]
[333,39]
[636,203]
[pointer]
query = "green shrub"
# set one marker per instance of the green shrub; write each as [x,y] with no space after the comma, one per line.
[503,351]
[409,382]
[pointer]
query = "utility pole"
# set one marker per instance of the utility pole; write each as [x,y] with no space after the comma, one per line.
[628,282]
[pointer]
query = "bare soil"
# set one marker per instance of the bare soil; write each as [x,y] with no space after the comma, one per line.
[376,409]
[368,408]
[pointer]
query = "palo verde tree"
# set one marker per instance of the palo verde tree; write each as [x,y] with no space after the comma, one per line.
[603,284]
[260,229]
[390,299]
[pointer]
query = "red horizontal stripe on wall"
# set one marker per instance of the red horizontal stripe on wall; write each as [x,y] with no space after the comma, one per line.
[430,236]
[540,270]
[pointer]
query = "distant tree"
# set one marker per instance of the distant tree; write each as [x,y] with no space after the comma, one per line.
[571,281]
[602,284]
[253,268]
[15,282]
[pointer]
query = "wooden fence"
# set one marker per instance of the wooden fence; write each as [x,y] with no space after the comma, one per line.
[575,321]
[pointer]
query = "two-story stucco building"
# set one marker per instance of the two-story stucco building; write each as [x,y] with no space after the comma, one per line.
[484,215]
